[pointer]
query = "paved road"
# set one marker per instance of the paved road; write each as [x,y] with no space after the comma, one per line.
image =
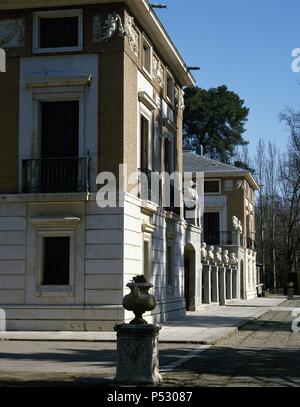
[266,352]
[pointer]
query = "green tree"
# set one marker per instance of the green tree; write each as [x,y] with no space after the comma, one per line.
[215,119]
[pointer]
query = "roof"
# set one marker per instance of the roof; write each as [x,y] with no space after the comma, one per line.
[142,11]
[197,163]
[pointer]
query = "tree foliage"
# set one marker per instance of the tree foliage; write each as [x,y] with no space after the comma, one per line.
[278,206]
[215,119]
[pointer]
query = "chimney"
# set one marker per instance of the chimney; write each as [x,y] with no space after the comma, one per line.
[200,150]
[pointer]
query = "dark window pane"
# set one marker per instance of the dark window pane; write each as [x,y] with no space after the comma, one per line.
[58,32]
[60,129]
[56,261]
[169,265]
[144,143]
[212,228]
[59,149]
[211,187]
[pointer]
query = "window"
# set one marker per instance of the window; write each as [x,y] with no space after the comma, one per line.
[212,187]
[57,31]
[147,259]
[212,228]
[56,261]
[145,127]
[169,264]
[170,88]
[147,57]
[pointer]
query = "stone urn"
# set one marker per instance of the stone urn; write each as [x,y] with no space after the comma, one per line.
[290,290]
[139,300]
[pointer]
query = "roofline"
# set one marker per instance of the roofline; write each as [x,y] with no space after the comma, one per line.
[142,11]
[249,177]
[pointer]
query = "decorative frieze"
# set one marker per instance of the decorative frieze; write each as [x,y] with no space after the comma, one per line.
[104,32]
[158,71]
[12,33]
[179,99]
[132,35]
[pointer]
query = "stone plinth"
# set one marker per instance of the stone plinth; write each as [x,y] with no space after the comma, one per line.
[206,284]
[222,286]
[214,284]
[137,354]
[234,283]
[229,283]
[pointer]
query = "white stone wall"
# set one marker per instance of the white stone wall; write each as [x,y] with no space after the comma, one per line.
[12,252]
[107,254]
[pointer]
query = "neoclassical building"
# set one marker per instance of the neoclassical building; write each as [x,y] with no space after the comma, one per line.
[90,85]
[228,220]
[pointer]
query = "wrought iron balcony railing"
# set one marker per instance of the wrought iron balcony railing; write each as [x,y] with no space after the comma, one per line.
[222,238]
[56,175]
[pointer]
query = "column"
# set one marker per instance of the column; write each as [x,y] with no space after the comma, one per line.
[229,283]
[222,285]
[214,284]
[206,283]
[234,284]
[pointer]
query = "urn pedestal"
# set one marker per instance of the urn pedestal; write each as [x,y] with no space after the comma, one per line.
[137,354]
[137,342]
[290,290]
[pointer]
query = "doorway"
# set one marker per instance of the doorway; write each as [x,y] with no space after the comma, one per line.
[59,146]
[242,279]
[212,228]
[189,277]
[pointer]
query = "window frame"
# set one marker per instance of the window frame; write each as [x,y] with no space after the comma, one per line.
[36,49]
[213,180]
[150,47]
[169,76]
[147,115]
[51,289]
[147,238]
[170,248]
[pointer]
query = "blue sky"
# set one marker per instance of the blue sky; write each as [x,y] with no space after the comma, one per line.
[246,45]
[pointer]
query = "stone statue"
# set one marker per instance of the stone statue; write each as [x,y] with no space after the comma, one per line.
[203,252]
[240,227]
[210,254]
[181,103]
[112,24]
[158,72]
[132,35]
[218,255]
[233,261]
[235,223]
[191,202]
[225,258]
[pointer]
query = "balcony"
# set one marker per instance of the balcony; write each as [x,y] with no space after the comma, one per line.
[56,175]
[222,238]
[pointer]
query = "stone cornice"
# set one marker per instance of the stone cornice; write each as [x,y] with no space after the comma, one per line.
[142,11]
[48,81]
[55,221]
[147,101]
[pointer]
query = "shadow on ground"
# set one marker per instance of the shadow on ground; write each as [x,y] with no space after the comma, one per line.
[222,366]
